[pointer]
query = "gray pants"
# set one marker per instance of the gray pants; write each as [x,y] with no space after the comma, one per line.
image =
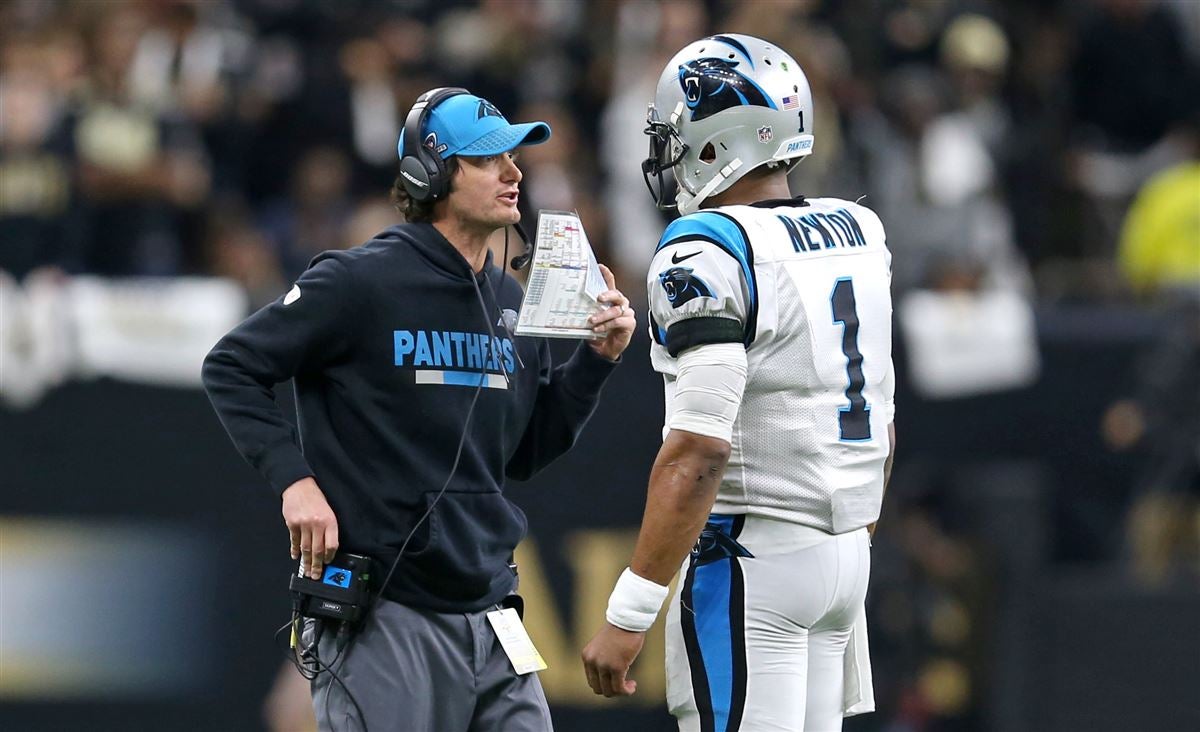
[413,670]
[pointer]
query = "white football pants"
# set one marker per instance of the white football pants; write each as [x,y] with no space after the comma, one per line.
[757,642]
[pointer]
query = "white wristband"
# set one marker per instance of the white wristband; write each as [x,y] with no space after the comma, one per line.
[635,602]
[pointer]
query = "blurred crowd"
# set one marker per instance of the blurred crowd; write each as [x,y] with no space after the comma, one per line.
[1003,143]
[1048,150]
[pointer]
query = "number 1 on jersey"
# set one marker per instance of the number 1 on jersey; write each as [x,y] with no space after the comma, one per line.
[854,420]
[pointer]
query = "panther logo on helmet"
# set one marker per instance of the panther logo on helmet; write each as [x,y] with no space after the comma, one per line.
[711,85]
[724,106]
[681,286]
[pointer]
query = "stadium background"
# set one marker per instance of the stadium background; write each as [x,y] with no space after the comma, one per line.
[167,165]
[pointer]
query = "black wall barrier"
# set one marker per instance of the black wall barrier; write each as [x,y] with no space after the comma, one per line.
[145,478]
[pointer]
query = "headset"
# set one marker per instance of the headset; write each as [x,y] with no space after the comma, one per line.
[422,170]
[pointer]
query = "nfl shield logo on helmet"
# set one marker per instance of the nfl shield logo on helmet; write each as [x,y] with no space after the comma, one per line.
[765,134]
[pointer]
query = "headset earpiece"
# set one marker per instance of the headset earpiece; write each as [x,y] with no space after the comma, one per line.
[416,179]
[422,170]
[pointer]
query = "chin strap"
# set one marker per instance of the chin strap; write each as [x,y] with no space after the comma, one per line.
[688,203]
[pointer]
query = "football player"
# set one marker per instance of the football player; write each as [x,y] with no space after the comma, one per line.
[771,317]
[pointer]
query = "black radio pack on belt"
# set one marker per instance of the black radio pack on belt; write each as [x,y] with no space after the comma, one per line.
[342,593]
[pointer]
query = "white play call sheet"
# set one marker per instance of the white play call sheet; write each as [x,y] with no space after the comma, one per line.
[564,280]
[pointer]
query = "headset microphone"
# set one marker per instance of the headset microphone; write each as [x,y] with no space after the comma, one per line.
[521,261]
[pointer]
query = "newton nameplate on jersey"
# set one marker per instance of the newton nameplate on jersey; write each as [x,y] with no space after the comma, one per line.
[564,280]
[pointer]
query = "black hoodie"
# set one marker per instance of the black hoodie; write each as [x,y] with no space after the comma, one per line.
[386,344]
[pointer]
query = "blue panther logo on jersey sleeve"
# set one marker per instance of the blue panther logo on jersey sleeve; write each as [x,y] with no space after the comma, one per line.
[711,85]
[681,285]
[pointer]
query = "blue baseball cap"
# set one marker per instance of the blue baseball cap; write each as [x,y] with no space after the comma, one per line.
[465,124]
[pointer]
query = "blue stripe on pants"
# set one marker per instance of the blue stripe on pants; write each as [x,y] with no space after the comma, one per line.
[713,623]
[710,599]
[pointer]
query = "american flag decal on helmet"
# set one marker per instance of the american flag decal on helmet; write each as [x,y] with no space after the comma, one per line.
[791,102]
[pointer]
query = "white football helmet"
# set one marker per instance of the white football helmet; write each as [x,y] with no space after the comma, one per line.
[725,105]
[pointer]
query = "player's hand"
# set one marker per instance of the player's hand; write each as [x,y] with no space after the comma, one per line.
[615,323]
[312,525]
[607,659]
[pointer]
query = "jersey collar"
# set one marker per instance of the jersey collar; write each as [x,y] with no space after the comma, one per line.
[775,202]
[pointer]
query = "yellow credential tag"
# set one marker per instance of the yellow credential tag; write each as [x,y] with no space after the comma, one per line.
[515,641]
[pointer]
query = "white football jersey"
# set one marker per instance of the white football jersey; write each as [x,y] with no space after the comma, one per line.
[805,285]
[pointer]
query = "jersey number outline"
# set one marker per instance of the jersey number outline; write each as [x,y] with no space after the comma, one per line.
[854,421]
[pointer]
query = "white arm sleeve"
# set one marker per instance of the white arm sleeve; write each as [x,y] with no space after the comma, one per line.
[708,390]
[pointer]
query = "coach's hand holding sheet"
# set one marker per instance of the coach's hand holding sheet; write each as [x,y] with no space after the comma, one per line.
[613,325]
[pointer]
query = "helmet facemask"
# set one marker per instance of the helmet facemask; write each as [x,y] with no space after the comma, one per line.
[667,149]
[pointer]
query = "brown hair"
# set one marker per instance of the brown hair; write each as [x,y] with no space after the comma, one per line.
[415,211]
